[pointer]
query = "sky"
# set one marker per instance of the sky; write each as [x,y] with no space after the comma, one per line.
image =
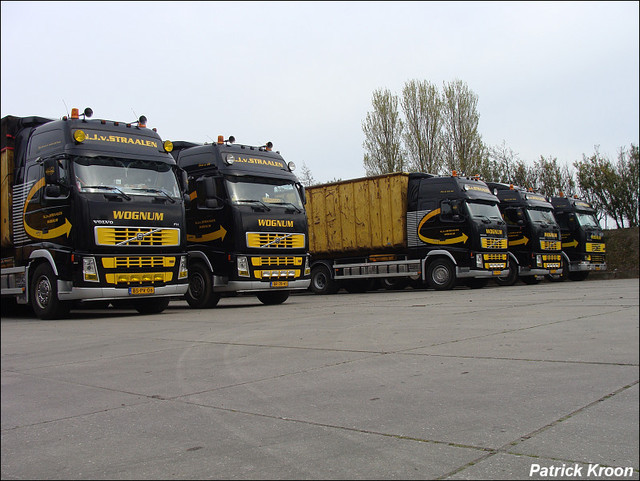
[553,79]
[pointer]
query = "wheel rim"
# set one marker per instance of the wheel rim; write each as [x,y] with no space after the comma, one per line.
[320,281]
[43,292]
[196,286]
[441,275]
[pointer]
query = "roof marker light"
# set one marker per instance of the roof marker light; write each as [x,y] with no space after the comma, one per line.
[221,139]
[75,113]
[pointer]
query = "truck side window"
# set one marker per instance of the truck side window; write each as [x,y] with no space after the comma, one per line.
[34,174]
[450,210]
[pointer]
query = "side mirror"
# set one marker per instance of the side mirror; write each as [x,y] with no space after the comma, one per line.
[303,194]
[207,193]
[52,190]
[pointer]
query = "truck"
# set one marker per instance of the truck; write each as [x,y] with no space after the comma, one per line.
[583,245]
[533,234]
[246,224]
[92,212]
[404,229]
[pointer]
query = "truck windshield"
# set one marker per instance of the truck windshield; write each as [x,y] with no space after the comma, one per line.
[587,220]
[490,211]
[131,177]
[265,191]
[539,215]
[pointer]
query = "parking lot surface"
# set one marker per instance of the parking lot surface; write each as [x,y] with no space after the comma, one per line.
[520,382]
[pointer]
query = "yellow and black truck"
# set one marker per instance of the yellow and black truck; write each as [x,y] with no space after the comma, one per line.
[583,245]
[92,210]
[400,229]
[534,235]
[246,224]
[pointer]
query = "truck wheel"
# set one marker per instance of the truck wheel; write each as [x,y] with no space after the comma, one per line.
[151,305]
[44,294]
[511,277]
[200,294]
[441,274]
[578,276]
[530,280]
[394,283]
[321,281]
[273,298]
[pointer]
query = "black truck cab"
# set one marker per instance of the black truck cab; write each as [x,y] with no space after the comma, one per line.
[246,223]
[454,223]
[97,214]
[534,235]
[583,246]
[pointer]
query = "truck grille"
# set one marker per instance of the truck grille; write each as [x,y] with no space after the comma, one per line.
[127,262]
[138,277]
[551,261]
[495,261]
[137,236]
[276,261]
[550,245]
[275,240]
[592,247]
[493,243]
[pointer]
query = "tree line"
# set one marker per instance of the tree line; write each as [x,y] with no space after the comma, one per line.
[425,129]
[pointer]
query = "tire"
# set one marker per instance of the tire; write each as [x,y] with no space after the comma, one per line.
[44,294]
[512,276]
[200,294]
[395,283]
[321,281]
[152,305]
[273,298]
[530,280]
[441,274]
[578,276]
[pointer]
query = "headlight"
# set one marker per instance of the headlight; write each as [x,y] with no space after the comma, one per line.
[479,261]
[182,270]
[243,266]
[89,269]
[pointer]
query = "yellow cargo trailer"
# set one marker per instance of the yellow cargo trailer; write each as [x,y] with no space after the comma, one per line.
[358,215]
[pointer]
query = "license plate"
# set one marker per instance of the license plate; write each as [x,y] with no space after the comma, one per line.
[497,273]
[552,271]
[597,268]
[141,291]
[279,283]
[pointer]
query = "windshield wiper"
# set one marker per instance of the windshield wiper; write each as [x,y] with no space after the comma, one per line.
[256,202]
[155,191]
[107,187]
[289,203]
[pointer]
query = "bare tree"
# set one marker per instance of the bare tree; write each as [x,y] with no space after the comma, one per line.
[463,146]
[306,177]
[627,185]
[383,135]
[422,107]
